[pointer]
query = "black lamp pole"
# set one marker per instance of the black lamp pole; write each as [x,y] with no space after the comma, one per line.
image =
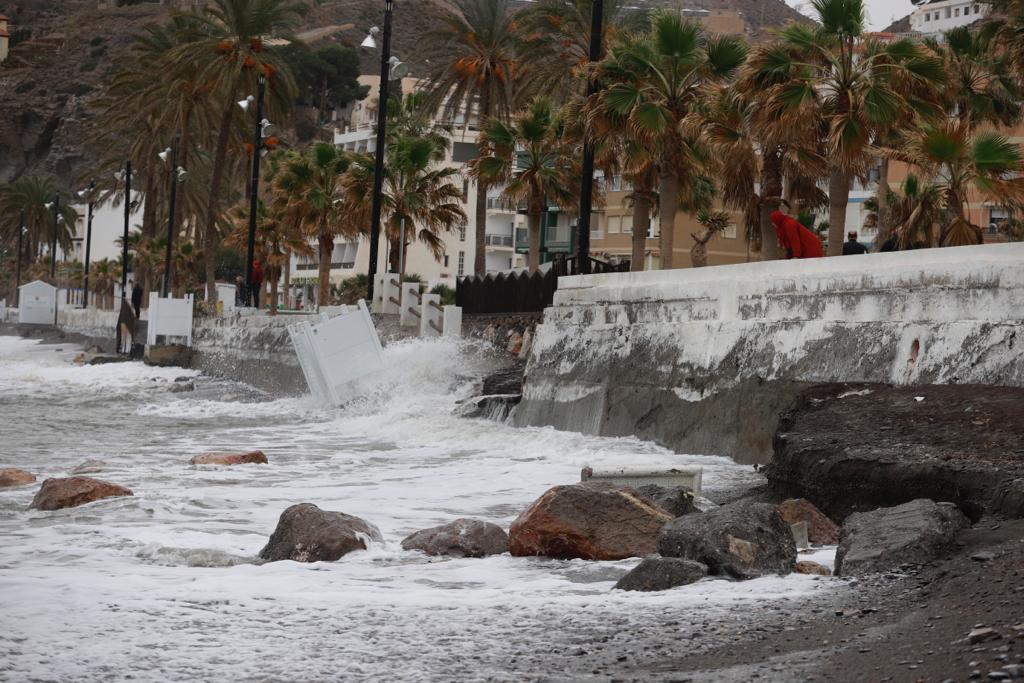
[17,260]
[378,169]
[170,217]
[257,144]
[124,238]
[88,248]
[587,189]
[53,242]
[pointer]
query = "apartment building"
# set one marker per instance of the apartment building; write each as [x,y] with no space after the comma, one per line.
[933,17]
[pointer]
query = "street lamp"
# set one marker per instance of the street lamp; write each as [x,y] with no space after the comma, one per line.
[177,175]
[22,231]
[587,189]
[382,118]
[262,125]
[55,207]
[87,192]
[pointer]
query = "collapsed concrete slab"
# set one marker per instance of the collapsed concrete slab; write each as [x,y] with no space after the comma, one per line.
[704,360]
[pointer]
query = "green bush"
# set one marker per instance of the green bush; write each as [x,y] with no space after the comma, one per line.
[447,294]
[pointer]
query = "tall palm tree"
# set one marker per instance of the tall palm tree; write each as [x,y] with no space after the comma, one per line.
[652,82]
[530,156]
[233,55]
[474,74]
[309,191]
[856,87]
[30,194]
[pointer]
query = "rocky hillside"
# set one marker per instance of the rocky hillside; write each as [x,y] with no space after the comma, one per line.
[63,53]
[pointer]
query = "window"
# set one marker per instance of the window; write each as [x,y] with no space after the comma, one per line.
[977,9]
[997,217]
[462,234]
[465,190]
[462,263]
[616,183]
[927,16]
[949,12]
[730,232]
[446,260]
[614,225]
[627,225]
[464,151]
[956,12]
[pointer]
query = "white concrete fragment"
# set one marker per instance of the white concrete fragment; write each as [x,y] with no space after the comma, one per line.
[409,315]
[432,321]
[689,478]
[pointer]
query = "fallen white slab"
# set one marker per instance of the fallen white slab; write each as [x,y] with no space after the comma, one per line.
[688,478]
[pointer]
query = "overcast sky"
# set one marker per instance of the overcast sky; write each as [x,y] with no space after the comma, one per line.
[881,13]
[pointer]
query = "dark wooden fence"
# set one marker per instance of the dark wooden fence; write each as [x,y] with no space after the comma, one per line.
[521,292]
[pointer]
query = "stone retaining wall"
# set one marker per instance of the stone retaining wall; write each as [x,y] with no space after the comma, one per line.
[704,360]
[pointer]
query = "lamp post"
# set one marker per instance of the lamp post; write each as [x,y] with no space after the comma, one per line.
[55,205]
[587,189]
[87,192]
[177,175]
[126,176]
[257,145]
[378,168]
[22,229]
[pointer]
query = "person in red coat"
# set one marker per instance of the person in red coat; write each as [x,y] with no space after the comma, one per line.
[798,241]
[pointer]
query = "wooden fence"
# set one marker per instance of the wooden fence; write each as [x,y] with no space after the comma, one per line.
[521,292]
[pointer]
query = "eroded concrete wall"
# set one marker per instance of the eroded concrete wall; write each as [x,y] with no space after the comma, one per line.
[703,360]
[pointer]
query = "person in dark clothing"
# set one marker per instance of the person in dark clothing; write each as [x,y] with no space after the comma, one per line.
[890,244]
[852,246]
[136,299]
[257,283]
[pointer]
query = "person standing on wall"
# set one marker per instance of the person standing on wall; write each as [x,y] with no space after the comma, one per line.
[795,239]
[136,298]
[851,246]
[257,283]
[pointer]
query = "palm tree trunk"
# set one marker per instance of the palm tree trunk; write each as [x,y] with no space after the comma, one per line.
[533,224]
[882,195]
[288,281]
[641,221]
[668,192]
[838,199]
[273,292]
[771,186]
[324,268]
[480,211]
[216,179]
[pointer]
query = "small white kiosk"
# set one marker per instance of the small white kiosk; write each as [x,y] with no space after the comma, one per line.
[226,293]
[37,303]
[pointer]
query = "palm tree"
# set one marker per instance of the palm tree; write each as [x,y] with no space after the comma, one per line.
[233,54]
[104,274]
[475,71]
[713,223]
[530,156]
[652,82]
[856,88]
[915,213]
[309,192]
[277,239]
[961,160]
[30,194]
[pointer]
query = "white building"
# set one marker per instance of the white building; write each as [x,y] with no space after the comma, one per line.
[932,17]
[351,258]
[107,230]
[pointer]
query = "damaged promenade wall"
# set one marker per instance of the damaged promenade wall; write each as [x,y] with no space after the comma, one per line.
[705,360]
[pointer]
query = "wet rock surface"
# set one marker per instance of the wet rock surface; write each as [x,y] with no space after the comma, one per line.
[592,521]
[461,538]
[12,476]
[674,500]
[886,539]
[857,447]
[90,467]
[66,492]
[250,458]
[305,533]
[493,407]
[741,540]
[820,529]
[662,573]
[505,381]
[808,567]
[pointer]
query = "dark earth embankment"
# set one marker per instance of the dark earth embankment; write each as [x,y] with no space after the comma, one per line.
[855,447]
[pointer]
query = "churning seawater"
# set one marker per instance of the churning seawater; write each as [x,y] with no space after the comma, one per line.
[165,585]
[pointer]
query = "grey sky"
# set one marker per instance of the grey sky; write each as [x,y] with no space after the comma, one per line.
[881,13]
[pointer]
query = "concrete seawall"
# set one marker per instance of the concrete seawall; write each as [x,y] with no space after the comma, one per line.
[704,360]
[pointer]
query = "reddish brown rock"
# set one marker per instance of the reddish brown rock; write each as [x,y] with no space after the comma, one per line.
[592,521]
[66,492]
[252,458]
[305,533]
[820,529]
[12,476]
[461,538]
[808,567]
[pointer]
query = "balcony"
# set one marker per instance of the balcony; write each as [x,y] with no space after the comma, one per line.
[498,240]
[335,265]
[501,204]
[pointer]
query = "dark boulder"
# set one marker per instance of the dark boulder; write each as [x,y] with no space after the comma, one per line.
[305,533]
[856,447]
[592,521]
[913,533]
[505,381]
[820,529]
[675,500]
[743,540]
[66,492]
[461,538]
[662,573]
